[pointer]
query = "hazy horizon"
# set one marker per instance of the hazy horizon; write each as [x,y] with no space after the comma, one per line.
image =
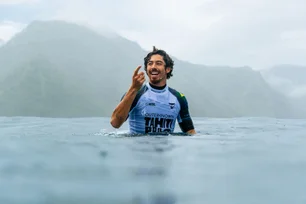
[259,34]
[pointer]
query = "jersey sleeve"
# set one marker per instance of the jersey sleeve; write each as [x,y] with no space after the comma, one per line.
[184,119]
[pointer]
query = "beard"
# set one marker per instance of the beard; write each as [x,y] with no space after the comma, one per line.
[155,76]
[156,80]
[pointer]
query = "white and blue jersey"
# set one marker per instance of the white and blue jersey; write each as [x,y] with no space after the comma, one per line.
[155,111]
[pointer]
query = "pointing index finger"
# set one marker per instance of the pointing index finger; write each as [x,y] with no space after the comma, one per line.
[136,70]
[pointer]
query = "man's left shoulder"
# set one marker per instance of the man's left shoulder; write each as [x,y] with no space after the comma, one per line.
[179,95]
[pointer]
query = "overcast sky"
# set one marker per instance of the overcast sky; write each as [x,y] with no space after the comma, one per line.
[257,33]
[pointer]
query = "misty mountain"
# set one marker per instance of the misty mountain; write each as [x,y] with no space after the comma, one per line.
[291,81]
[59,69]
[288,79]
[83,64]
[1,42]
[293,73]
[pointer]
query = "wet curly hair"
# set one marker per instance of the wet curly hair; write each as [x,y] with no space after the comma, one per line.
[167,59]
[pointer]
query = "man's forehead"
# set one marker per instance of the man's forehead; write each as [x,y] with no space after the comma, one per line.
[156,58]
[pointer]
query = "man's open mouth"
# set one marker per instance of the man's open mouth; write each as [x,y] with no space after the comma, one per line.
[154,73]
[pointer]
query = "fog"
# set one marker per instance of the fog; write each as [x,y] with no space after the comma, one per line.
[1,42]
[228,54]
[257,33]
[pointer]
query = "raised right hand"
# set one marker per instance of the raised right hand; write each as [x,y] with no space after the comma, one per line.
[138,79]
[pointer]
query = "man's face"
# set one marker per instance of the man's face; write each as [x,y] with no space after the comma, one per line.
[156,70]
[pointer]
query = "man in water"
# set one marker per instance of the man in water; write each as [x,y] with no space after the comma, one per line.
[153,107]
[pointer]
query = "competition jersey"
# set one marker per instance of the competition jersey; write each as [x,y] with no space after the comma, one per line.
[155,110]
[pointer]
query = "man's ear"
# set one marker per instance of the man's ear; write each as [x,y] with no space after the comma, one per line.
[168,69]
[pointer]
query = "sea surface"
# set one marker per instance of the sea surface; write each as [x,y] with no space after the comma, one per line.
[84,160]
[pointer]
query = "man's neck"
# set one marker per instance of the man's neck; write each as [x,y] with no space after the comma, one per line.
[158,87]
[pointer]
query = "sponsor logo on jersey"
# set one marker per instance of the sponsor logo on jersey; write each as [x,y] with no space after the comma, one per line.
[158,124]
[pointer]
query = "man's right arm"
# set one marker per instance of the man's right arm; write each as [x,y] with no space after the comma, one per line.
[121,112]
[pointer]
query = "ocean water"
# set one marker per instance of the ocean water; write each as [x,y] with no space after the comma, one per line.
[84,160]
